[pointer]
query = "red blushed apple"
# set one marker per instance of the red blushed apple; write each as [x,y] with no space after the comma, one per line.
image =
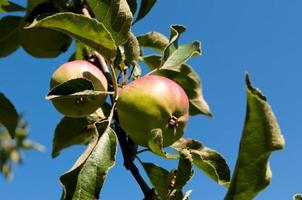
[153,102]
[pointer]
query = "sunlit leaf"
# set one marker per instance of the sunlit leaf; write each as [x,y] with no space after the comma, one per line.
[70,131]
[9,34]
[145,8]
[206,159]
[86,180]
[8,115]
[260,137]
[182,54]
[8,6]
[175,33]
[88,31]
[115,15]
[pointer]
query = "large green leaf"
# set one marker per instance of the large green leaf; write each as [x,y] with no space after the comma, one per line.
[8,115]
[88,31]
[206,159]
[9,34]
[261,136]
[153,40]
[188,79]
[115,15]
[145,8]
[8,6]
[70,131]
[85,181]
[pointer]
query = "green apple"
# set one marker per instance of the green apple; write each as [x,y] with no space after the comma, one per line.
[153,102]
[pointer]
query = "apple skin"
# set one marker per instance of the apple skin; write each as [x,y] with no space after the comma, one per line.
[150,102]
[79,69]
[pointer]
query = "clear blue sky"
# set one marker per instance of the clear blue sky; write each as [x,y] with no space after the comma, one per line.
[263,37]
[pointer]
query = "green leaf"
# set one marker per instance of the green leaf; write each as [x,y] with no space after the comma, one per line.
[9,34]
[297,197]
[207,160]
[70,131]
[160,178]
[132,50]
[115,15]
[181,55]
[188,79]
[155,144]
[261,136]
[145,8]
[8,115]
[75,88]
[153,40]
[88,31]
[86,181]
[8,6]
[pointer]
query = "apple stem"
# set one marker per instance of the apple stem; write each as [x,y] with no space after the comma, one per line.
[173,122]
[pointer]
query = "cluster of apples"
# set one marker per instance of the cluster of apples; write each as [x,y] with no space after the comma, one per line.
[147,103]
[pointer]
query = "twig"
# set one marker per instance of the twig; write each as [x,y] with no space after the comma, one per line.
[122,137]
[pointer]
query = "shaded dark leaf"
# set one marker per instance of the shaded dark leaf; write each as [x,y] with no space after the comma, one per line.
[145,8]
[71,131]
[8,115]
[133,6]
[260,137]
[72,86]
[9,34]
[44,43]
[8,6]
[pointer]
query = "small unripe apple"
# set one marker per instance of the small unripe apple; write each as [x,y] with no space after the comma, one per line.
[79,107]
[153,102]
